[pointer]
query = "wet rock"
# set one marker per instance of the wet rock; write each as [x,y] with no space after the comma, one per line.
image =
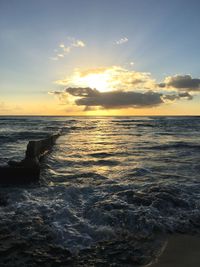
[27,170]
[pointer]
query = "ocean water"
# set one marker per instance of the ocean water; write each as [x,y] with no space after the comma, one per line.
[108,181]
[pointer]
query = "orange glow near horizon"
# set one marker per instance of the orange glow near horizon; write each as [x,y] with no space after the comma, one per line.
[51,107]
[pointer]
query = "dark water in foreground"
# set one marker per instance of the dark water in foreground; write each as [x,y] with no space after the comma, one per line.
[109,191]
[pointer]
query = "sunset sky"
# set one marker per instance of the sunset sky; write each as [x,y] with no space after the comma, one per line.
[92,57]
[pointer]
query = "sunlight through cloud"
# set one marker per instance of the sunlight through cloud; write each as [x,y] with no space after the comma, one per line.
[109,78]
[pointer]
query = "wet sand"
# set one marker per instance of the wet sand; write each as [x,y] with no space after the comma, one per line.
[181,251]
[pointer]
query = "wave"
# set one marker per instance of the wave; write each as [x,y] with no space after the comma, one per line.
[88,163]
[108,154]
[103,198]
[146,125]
[87,218]
[178,145]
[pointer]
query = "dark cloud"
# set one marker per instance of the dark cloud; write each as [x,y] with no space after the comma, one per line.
[185,95]
[114,99]
[79,91]
[93,99]
[182,82]
[174,97]
[171,97]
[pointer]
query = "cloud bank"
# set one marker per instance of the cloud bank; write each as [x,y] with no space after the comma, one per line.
[120,99]
[113,99]
[116,88]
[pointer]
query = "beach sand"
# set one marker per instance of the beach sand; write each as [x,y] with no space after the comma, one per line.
[181,251]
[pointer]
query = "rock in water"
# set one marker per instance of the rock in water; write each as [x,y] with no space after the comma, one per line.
[27,170]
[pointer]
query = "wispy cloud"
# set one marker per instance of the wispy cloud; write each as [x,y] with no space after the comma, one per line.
[65,48]
[61,55]
[78,43]
[121,41]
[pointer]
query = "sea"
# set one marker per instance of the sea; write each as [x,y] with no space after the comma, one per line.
[110,192]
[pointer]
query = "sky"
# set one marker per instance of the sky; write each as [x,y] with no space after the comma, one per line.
[91,57]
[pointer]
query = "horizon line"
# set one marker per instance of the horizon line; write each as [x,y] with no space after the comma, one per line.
[178,115]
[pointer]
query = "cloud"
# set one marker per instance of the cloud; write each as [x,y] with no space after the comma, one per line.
[173,97]
[109,78]
[85,72]
[89,97]
[121,99]
[61,46]
[78,43]
[122,41]
[65,48]
[181,82]
[185,95]
[83,92]
[60,55]
[62,97]
[116,87]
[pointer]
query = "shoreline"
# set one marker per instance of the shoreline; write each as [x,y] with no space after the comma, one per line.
[181,250]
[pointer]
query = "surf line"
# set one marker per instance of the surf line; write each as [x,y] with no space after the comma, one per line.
[28,170]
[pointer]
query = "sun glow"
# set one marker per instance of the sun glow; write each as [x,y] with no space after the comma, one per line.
[103,78]
[100,81]
[108,79]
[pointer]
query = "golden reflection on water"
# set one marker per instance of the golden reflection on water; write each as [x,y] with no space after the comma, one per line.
[97,147]
[115,149]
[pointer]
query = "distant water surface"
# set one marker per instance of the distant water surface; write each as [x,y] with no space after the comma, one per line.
[106,178]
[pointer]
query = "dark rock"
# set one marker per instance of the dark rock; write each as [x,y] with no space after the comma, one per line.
[18,175]
[3,200]
[27,170]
